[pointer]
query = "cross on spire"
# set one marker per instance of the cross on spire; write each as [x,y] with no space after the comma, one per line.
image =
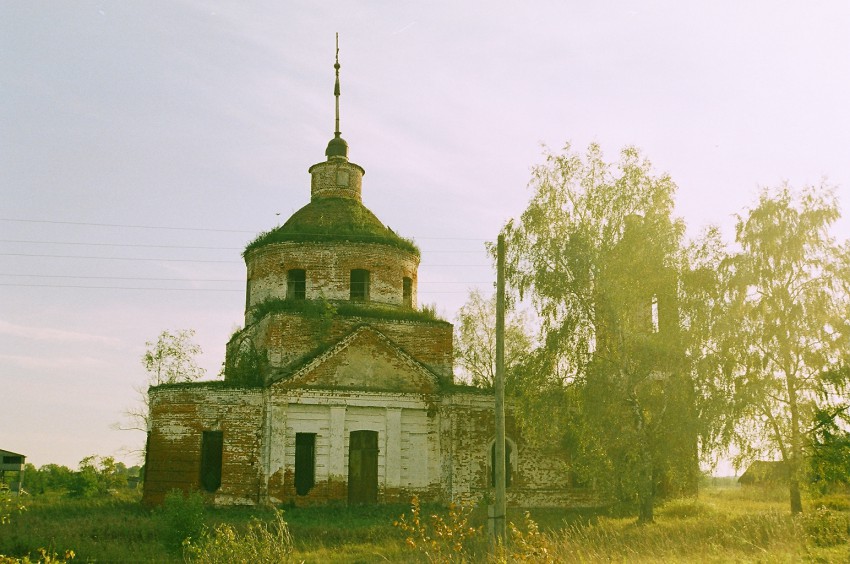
[337,147]
[336,87]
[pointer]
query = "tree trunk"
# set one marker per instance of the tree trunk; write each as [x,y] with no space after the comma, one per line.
[796,503]
[647,505]
[796,448]
[646,487]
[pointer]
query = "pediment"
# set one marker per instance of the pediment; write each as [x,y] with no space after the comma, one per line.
[364,360]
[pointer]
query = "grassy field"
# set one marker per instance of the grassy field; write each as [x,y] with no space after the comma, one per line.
[722,525]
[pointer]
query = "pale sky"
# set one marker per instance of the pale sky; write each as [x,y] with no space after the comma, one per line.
[133,136]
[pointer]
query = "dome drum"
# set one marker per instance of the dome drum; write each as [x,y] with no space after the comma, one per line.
[333,271]
[336,178]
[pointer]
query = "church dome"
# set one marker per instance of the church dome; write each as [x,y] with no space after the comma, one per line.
[334,219]
[337,147]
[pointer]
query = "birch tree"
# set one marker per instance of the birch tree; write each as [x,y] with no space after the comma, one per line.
[790,290]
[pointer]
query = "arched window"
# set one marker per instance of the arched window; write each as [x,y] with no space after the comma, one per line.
[507,464]
[359,285]
[296,284]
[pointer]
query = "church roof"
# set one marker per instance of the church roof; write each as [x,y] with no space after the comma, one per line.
[363,339]
[333,219]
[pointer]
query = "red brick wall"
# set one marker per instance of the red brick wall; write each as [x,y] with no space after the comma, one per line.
[328,267]
[289,337]
[539,475]
[178,417]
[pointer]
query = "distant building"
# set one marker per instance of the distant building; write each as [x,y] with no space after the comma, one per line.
[12,467]
[339,389]
[765,473]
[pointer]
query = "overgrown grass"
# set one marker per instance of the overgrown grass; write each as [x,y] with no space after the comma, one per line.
[722,525]
[107,529]
[325,309]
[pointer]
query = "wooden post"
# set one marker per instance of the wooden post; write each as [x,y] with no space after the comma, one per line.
[499,528]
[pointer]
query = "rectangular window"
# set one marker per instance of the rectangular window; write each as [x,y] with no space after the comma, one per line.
[407,292]
[305,462]
[359,285]
[13,460]
[296,284]
[212,446]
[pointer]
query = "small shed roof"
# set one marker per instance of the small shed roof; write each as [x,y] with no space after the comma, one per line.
[765,472]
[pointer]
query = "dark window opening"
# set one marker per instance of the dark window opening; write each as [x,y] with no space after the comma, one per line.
[407,292]
[507,465]
[296,284]
[359,285]
[247,293]
[305,462]
[13,460]
[212,445]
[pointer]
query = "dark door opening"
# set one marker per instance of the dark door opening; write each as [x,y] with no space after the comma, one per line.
[305,462]
[212,446]
[363,467]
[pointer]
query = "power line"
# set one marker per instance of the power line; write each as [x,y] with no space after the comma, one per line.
[118,258]
[209,229]
[125,278]
[120,287]
[80,286]
[174,246]
[189,260]
[124,225]
[138,278]
[120,245]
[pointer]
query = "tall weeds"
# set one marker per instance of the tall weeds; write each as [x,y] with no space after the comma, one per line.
[260,542]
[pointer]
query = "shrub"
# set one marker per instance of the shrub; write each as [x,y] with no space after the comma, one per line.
[323,311]
[439,539]
[261,542]
[837,502]
[826,528]
[182,516]
[528,546]
[8,506]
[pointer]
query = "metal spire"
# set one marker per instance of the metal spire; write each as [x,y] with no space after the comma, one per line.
[337,147]
[336,87]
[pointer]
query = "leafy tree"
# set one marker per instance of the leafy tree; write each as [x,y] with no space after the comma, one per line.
[54,477]
[97,476]
[171,358]
[600,255]
[791,295]
[829,460]
[475,341]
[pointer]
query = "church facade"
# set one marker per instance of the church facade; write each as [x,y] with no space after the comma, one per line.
[339,388]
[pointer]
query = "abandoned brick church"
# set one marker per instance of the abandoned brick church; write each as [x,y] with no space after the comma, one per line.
[338,389]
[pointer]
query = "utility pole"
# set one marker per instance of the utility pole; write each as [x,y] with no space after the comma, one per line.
[498,516]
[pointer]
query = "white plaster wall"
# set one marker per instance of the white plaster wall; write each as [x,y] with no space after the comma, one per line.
[408,440]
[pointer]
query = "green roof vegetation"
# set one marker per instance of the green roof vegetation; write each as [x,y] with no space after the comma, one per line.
[333,219]
[215,384]
[324,308]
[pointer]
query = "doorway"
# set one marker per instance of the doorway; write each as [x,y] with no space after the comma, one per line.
[363,467]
